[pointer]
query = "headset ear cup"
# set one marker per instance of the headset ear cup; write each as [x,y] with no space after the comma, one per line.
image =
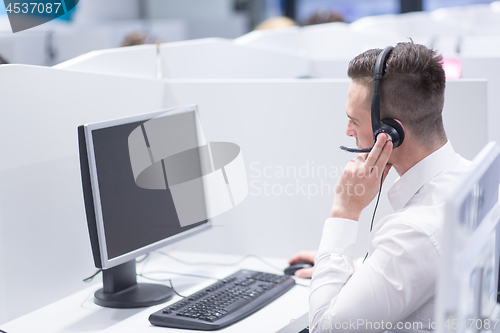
[397,128]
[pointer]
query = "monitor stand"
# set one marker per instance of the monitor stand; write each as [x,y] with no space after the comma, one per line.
[121,290]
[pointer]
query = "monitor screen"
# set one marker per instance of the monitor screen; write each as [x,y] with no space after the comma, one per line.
[130,220]
[133,217]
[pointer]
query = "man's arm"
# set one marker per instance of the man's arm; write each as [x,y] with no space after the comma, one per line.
[375,293]
[397,279]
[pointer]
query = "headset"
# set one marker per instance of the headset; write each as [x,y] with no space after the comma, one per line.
[389,126]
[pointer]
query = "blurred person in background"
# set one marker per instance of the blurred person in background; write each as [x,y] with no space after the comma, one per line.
[139,38]
[324,16]
[276,23]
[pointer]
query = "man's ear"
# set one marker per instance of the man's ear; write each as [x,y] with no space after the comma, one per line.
[400,123]
[398,126]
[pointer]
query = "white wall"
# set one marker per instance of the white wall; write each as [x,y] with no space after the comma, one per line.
[230,27]
[480,46]
[166,31]
[285,39]
[339,40]
[44,239]
[24,48]
[189,9]
[92,11]
[71,43]
[7,48]
[214,18]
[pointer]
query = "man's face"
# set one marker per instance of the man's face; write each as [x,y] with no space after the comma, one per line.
[358,111]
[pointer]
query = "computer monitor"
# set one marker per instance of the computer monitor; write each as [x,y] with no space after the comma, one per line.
[129,197]
[468,281]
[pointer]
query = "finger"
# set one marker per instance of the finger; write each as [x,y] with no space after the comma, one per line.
[383,159]
[299,257]
[304,273]
[376,151]
[363,155]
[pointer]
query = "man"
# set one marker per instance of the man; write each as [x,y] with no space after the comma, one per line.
[394,289]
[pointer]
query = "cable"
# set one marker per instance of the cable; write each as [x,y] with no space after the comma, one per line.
[90,278]
[149,278]
[375,210]
[169,280]
[184,274]
[142,259]
[221,264]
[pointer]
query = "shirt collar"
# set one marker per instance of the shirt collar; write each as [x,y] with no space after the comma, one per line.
[412,180]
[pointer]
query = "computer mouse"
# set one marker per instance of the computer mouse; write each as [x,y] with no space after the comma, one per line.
[290,270]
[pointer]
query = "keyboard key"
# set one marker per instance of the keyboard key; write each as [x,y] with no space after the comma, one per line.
[236,305]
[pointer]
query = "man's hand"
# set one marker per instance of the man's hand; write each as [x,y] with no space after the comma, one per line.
[360,180]
[304,256]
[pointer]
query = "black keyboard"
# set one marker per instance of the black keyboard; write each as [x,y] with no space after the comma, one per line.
[224,302]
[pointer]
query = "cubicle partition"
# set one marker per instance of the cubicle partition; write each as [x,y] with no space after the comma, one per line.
[487,68]
[216,58]
[3,285]
[44,245]
[213,58]
[138,61]
[289,132]
[329,67]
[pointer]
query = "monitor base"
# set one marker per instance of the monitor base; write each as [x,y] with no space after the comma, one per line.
[137,296]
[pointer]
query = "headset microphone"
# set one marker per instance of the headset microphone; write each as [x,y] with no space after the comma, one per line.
[357,150]
[388,126]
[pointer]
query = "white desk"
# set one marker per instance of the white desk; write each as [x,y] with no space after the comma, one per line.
[78,313]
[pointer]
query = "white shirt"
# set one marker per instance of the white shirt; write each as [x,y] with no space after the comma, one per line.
[394,290]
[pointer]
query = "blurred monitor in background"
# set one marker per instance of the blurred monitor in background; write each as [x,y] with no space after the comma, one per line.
[324,16]
[3,61]
[276,23]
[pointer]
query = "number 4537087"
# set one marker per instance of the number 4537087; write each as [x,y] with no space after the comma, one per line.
[33,8]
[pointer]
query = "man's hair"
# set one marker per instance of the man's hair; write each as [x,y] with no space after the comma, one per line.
[411,90]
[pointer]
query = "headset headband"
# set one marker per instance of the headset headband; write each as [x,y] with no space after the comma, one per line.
[377,77]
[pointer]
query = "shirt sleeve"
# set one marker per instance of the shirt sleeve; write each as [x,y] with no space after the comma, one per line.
[395,280]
